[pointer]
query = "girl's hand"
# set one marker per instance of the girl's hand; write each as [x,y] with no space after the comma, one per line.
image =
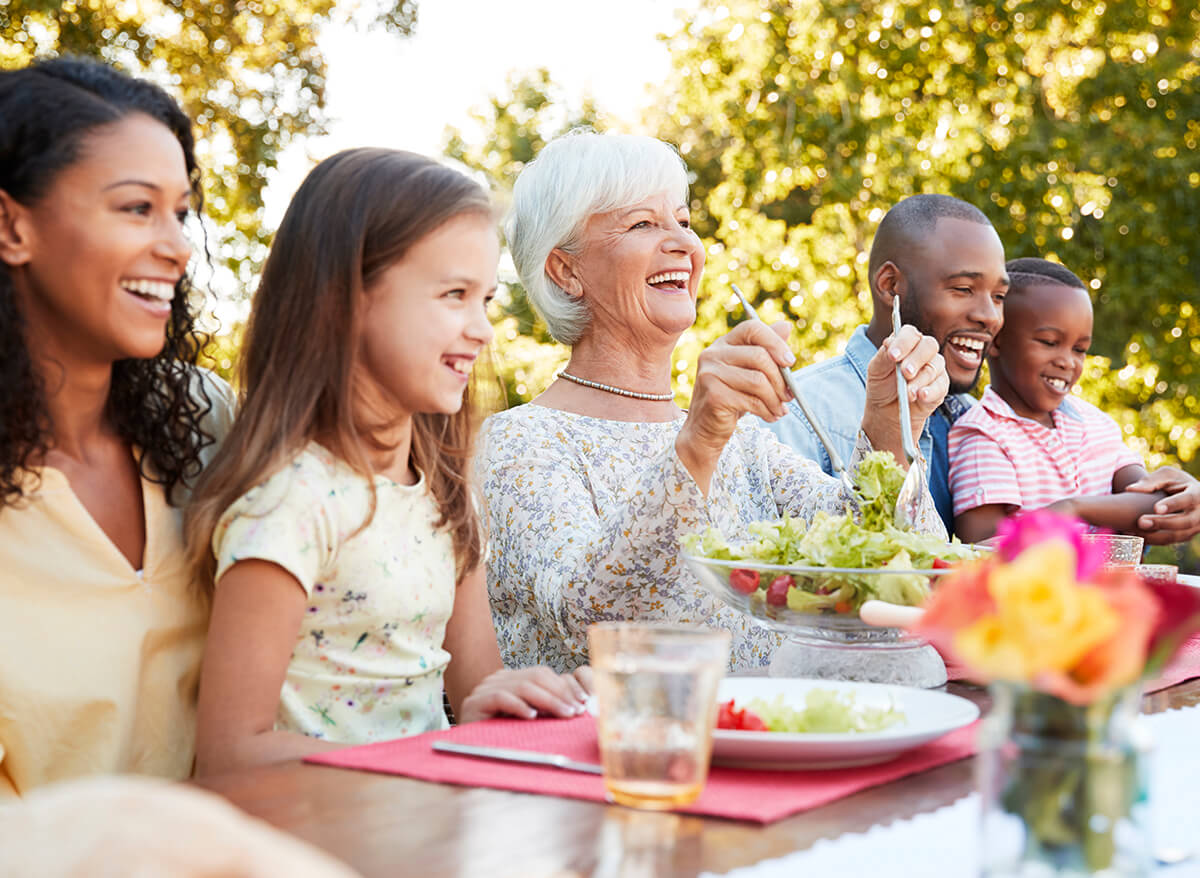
[524,692]
[583,676]
[925,371]
[737,375]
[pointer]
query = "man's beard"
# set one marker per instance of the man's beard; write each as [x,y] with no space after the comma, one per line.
[911,313]
[960,387]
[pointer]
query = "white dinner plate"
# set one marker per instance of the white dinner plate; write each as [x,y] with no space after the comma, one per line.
[927,715]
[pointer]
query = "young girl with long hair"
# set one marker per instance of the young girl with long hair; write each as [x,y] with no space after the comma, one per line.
[104,421]
[337,525]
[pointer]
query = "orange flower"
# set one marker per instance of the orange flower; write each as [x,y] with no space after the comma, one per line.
[1040,612]
[1119,659]
[957,601]
[1043,621]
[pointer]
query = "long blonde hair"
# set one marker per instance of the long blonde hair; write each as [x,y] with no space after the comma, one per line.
[356,214]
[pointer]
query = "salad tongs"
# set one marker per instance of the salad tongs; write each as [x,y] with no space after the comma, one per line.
[912,492]
[835,459]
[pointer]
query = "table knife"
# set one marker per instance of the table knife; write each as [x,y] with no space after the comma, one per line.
[554,760]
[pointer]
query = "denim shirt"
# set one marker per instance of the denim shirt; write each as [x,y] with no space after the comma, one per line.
[836,392]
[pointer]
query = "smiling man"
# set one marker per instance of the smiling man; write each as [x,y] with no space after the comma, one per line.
[944,260]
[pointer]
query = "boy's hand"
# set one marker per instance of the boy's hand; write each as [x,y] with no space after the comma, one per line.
[1176,517]
[524,692]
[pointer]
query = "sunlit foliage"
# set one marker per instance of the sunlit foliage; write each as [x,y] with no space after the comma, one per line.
[515,126]
[1072,123]
[248,72]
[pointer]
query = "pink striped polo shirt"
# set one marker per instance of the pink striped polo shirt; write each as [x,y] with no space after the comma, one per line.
[997,456]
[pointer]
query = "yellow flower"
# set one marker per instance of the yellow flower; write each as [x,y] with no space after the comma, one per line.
[1043,621]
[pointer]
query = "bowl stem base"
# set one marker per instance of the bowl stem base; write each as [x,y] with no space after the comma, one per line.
[920,667]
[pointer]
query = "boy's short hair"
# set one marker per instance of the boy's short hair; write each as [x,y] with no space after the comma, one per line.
[1030,270]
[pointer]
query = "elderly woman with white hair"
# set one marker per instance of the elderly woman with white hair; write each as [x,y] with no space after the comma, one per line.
[590,487]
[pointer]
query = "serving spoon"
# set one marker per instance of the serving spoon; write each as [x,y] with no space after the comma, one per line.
[835,459]
[912,492]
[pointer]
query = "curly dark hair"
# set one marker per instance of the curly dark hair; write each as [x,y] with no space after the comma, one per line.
[1029,271]
[47,111]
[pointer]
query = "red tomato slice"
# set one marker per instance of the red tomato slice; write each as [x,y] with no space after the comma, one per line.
[735,719]
[725,716]
[743,580]
[777,591]
[752,723]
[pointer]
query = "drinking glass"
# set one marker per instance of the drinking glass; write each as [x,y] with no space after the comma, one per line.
[1120,550]
[1158,573]
[656,687]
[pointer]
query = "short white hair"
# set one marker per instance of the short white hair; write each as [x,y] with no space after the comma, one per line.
[574,177]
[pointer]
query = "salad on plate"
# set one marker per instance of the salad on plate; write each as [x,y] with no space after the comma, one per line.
[823,711]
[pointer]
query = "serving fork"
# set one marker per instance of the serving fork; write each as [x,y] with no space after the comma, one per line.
[912,492]
[835,459]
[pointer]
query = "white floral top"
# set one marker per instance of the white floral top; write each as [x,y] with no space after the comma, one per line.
[368,660]
[585,517]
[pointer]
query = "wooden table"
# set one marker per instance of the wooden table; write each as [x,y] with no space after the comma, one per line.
[388,826]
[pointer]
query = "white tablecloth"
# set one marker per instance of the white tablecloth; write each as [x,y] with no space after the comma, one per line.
[944,843]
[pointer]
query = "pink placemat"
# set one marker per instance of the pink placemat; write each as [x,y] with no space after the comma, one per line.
[1185,666]
[758,796]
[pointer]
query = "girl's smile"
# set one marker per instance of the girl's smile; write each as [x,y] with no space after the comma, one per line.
[461,364]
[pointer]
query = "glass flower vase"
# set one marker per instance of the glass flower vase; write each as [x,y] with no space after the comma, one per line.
[1063,786]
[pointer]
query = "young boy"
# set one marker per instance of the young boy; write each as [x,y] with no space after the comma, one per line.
[1030,443]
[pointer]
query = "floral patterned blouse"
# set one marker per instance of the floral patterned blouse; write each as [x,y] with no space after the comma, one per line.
[585,517]
[368,660]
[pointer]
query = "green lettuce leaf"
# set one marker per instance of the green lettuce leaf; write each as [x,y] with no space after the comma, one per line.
[824,712]
[840,541]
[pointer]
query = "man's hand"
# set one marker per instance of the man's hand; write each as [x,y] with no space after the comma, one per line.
[1176,517]
[925,371]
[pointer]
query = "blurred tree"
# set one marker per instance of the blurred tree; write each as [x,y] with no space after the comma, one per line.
[1072,123]
[248,72]
[515,126]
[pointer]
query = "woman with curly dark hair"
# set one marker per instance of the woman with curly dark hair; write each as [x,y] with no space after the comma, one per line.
[104,422]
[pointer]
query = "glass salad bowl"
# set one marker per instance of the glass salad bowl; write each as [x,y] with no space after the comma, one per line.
[816,605]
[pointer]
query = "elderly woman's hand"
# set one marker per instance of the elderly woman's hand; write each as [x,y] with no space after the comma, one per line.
[737,375]
[925,371]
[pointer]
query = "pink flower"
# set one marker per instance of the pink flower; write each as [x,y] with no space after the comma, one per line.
[1018,532]
[1178,619]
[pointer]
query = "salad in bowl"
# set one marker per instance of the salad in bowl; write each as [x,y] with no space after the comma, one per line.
[793,574]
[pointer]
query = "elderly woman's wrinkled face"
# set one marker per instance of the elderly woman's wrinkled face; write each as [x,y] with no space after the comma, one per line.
[638,268]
